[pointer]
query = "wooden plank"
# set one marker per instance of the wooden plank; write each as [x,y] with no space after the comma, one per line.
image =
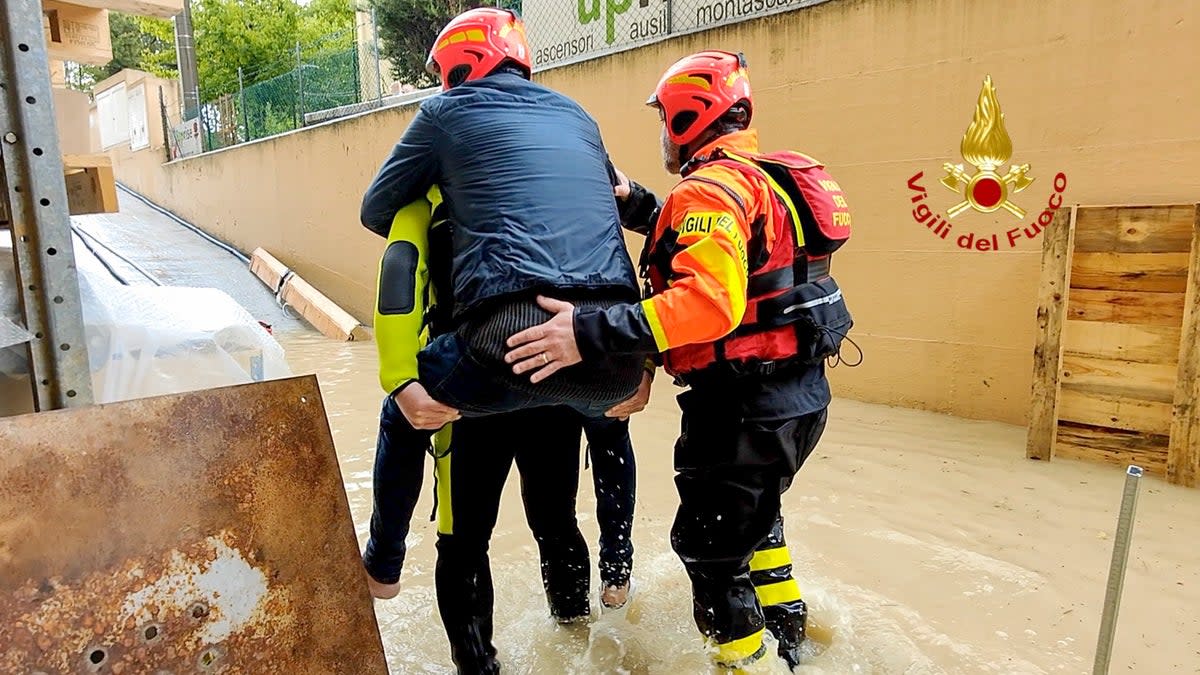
[1051,315]
[324,314]
[1159,272]
[1128,307]
[321,312]
[1123,342]
[1183,458]
[1125,379]
[1152,417]
[71,162]
[267,268]
[1134,229]
[1113,446]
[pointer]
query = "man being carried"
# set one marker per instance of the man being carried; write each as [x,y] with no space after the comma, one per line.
[529,192]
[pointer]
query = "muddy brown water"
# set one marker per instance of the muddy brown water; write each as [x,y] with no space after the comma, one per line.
[923,543]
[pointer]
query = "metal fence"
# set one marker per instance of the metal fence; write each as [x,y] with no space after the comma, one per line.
[328,83]
[320,79]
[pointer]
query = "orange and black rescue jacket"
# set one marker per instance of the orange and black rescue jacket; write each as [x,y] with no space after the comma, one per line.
[738,267]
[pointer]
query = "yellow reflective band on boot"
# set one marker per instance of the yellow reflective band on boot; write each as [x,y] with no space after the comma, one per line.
[741,651]
[441,467]
[770,558]
[778,593]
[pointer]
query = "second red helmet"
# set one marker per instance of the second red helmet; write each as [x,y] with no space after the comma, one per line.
[698,89]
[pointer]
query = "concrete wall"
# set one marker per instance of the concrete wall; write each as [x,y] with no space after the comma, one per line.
[878,89]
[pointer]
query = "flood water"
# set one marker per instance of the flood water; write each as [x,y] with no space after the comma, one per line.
[924,544]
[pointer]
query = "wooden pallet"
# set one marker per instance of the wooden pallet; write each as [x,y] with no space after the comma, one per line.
[1118,353]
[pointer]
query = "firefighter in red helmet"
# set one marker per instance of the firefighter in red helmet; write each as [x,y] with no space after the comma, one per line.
[744,312]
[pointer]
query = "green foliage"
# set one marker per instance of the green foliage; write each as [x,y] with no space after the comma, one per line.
[407,29]
[258,36]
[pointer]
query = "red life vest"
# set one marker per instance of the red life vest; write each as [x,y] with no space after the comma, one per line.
[795,312]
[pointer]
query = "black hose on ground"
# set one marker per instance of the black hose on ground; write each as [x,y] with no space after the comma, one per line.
[84,235]
[113,272]
[211,239]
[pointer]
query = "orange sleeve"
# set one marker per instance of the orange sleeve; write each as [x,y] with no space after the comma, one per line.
[706,294]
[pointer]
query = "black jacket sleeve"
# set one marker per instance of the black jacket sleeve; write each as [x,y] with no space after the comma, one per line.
[619,329]
[407,174]
[639,210]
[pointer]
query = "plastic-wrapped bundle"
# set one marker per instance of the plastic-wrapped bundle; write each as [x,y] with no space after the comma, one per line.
[149,341]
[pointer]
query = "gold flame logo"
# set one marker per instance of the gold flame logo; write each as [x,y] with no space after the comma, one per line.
[987,146]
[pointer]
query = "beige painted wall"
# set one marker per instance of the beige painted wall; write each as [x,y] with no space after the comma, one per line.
[878,89]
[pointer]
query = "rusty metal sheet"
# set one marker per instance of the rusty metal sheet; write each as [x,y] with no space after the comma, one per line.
[206,532]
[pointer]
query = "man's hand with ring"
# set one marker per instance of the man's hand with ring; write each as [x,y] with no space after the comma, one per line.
[547,347]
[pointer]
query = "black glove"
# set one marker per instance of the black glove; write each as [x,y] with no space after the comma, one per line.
[639,210]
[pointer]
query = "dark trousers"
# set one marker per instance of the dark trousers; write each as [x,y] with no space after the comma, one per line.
[398,476]
[730,476]
[470,481]
[614,478]
[396,481]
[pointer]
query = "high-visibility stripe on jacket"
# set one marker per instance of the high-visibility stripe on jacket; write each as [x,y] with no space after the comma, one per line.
[732,276]
[769,301]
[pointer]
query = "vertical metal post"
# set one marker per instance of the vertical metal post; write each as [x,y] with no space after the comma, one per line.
[41,225]
[1116,571]
[185,54]
[166,122]
[670,16]
[300,85]
[375,50]
[242,104]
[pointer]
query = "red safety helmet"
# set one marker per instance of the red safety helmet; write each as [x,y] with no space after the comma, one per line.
[698,89]
[479,40]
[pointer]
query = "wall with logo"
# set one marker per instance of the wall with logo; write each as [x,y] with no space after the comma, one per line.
[1096,101]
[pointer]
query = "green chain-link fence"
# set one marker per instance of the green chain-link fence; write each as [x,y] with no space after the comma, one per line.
[335,82]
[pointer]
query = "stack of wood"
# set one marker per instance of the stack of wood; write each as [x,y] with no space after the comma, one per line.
[1118,357]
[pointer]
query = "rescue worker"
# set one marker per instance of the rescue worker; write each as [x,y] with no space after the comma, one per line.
[528,187]
[745,312]
[402,326]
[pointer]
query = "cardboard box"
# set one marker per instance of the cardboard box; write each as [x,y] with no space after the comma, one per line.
[75,33]
[72,110]
[161,8]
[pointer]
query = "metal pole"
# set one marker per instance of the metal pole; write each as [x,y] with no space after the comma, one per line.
[1116,571]
[300,80]
[375,50]
[185,54]
[242,104]
[41,225]
[166,125]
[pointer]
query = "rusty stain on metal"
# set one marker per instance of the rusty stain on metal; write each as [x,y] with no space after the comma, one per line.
[206,532]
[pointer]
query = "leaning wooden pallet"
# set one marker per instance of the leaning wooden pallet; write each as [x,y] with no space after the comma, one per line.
[1118,352]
